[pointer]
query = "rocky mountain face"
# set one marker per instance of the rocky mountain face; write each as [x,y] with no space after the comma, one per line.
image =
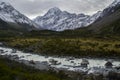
[109,21]
[58,20]
[111,8]
[10,15]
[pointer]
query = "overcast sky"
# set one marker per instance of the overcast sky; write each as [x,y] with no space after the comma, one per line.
[33,8]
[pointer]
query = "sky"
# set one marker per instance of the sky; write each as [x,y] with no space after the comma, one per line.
[34,8]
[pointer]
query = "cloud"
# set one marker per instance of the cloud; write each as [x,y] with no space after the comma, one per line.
[33,8]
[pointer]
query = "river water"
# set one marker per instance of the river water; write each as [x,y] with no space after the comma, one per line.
[66,62]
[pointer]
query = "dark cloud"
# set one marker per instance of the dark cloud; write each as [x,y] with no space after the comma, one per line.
[33,8]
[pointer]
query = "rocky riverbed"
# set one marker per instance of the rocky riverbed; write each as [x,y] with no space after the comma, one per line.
[61,63]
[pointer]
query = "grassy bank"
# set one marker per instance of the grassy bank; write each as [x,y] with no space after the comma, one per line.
[93,47]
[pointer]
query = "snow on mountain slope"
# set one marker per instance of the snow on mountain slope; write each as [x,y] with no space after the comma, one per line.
[114,6]
[108,22]
[93,18]
[10,14]
[58,20]
[115,2]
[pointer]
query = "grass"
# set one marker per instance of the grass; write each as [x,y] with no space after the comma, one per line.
[92,47]
[77,42]
[10,70]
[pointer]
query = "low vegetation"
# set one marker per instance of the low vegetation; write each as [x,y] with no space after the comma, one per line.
[10,70]
[90,47]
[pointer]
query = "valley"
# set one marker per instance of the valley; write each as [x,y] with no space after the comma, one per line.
[60,45]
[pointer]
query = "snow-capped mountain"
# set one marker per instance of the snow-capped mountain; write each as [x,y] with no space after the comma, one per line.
[58,20]
[55,19]
[111,8]
[93,18]
[109,20]
[11,15]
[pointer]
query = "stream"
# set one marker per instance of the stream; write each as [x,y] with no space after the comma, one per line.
[64,63]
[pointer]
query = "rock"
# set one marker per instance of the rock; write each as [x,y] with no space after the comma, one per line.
[118,67]
[70,58]
[14,51]
[1,44]
[32,62]
[108,64]
[84,63]
[72,61]
[54,62]
[45,62]
[1,51]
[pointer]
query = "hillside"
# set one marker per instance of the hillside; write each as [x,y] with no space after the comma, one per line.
[109,23]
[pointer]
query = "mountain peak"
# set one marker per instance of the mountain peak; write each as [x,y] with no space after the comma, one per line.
[9,14]
[54,10]
[58,20]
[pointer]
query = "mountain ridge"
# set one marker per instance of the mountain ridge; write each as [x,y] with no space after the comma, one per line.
[108,23]
[10,15]
[58,20]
